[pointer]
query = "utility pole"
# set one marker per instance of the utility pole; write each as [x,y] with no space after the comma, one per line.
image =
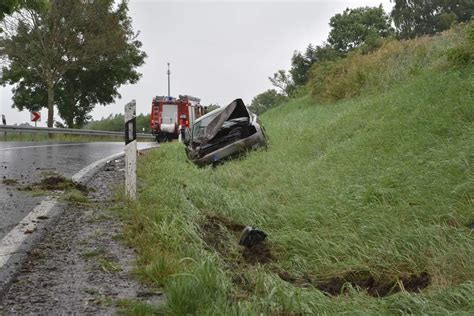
[169,73]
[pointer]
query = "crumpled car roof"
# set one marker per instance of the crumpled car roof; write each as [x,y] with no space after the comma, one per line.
[217,117]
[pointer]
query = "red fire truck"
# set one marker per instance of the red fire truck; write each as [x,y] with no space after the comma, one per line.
[169,115]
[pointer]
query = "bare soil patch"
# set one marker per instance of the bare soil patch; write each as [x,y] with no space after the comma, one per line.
[222,234]
[259,253]
[362,280]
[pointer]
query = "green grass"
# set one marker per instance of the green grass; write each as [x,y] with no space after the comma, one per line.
[75,196]
[109,266]
[382,184]
[131,307]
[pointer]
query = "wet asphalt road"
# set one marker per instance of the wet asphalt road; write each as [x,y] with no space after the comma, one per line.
[27,162]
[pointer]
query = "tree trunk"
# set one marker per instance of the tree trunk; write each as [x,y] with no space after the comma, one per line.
[50,102]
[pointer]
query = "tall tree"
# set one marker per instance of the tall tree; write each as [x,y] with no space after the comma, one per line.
[282,80]
[301,62]
[266,100]
[70,53]
[354,27]
[8,7]
[420,17]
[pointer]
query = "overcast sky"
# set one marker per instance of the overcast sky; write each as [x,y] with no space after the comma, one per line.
[218,50]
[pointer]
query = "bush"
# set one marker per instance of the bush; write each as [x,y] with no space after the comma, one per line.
[267,100]
[464,54]
[394,62]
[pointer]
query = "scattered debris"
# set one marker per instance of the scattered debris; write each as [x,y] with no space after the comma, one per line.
[8,181]
[251,237]
[55,183]
[471,226]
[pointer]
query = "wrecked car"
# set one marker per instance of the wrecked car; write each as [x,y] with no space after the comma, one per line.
[223,133]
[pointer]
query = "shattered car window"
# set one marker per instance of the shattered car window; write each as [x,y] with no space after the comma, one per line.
[201,124]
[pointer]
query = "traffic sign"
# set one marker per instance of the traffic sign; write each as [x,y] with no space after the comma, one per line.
[35,116]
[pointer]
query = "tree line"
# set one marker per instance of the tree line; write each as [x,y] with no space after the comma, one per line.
[363,29]
[72,54]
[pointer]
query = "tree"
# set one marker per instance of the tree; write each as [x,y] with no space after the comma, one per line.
[114,123]
[266,100]
[354,27]
[301,63]
[425,17]
[8,7]
[282,80]
[72,54]
[211,107]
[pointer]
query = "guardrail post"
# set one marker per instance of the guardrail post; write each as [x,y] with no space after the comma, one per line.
[4,122]
[130,150]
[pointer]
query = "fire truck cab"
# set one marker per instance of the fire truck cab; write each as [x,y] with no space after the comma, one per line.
[170,115]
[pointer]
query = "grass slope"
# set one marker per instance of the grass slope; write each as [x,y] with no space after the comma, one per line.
[380,185]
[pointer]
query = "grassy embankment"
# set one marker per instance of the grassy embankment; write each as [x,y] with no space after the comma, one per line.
[374,191]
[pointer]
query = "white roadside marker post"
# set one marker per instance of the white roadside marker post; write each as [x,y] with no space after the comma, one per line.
[130,151]
[4,121]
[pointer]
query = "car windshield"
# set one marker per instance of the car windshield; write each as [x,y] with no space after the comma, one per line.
[203,122]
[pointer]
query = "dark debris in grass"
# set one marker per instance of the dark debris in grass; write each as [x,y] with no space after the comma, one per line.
[8,181]
[217,232]
[471,226]
[56,182]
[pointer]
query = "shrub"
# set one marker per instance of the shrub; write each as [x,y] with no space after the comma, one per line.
[464,54]
[394,62]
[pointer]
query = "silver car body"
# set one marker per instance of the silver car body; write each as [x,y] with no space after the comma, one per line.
[223,133]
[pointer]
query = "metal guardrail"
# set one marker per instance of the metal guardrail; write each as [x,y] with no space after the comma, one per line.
[68,131]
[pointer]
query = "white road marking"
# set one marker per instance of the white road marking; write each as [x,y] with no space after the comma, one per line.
[87,171]
[10,244]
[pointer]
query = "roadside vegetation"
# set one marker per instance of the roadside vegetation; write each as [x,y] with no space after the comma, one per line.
[115,123]
[366,193]
[97,52]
